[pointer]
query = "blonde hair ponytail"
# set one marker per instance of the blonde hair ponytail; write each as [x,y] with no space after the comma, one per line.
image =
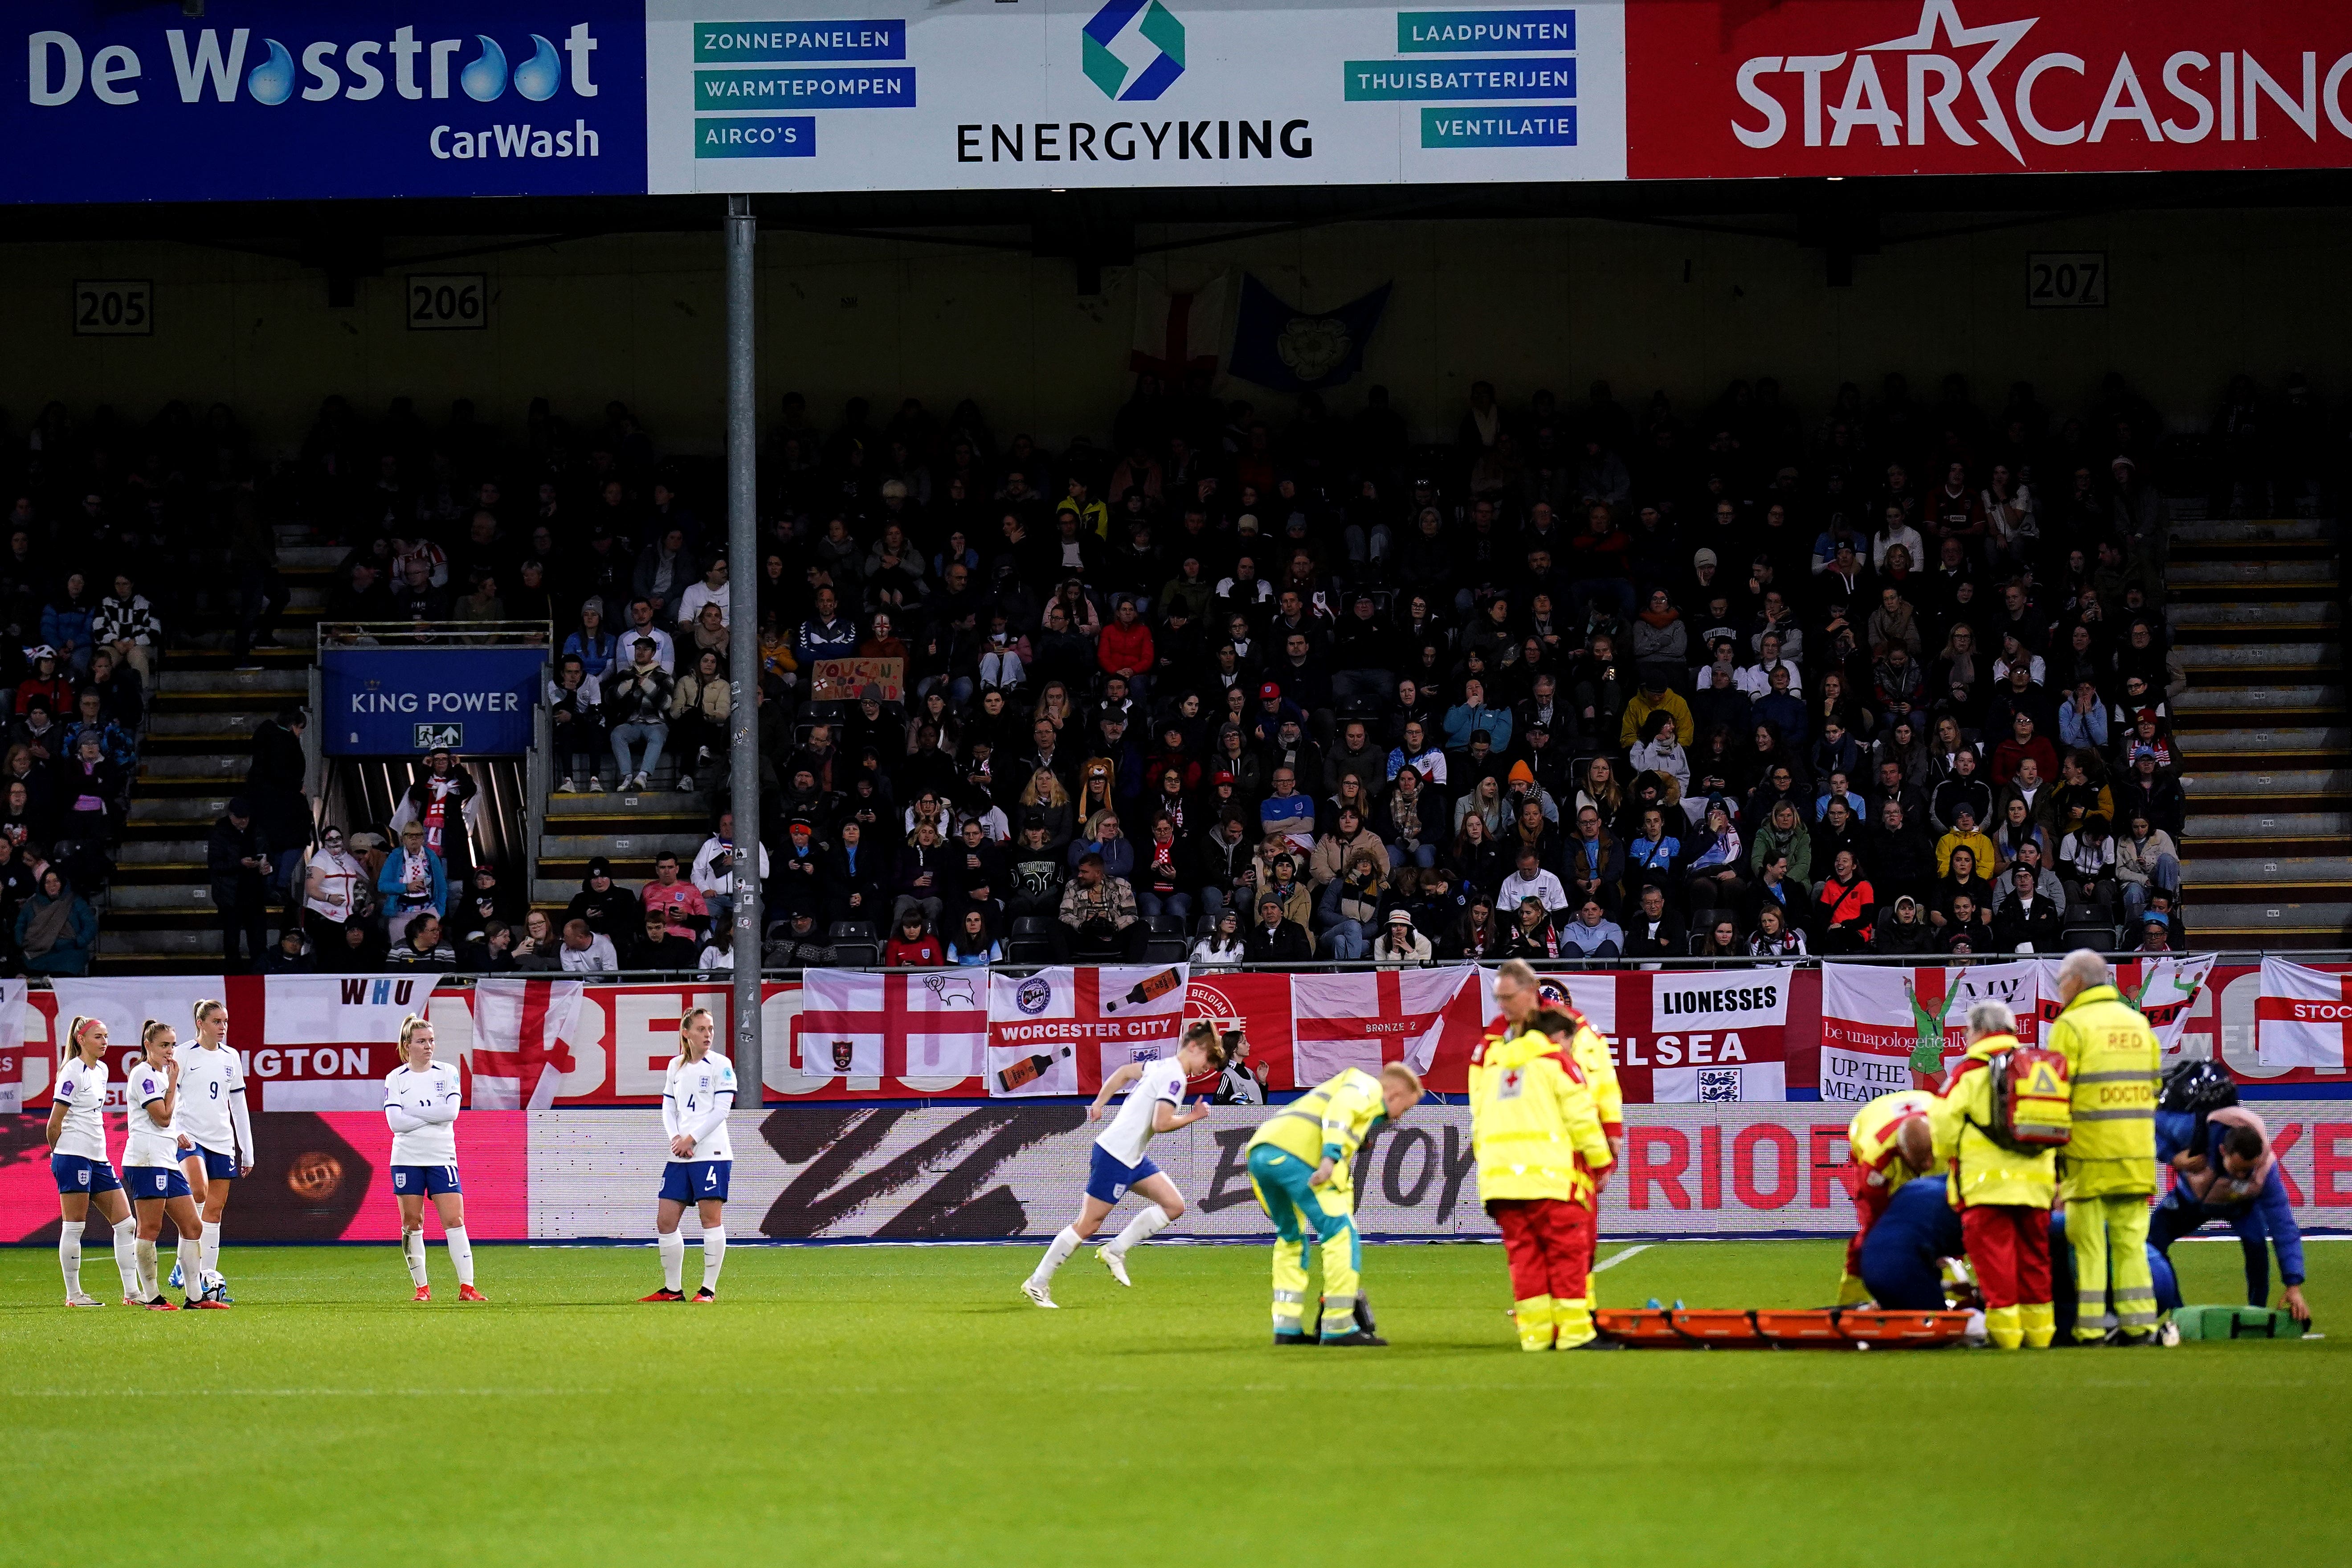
[208,1004]
[73,1037]
[687,1023]
[408,1027]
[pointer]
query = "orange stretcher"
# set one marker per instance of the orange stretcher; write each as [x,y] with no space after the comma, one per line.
[1733,1328]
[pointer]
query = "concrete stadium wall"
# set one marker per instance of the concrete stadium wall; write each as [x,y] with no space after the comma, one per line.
[2195,296]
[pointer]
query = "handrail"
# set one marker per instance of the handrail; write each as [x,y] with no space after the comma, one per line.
[1335,966]
[436,633]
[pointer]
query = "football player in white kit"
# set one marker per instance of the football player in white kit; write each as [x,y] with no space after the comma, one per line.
[77,1159]
[215,1133]
[697,1095]
[1119,1165]
[421,1099]
[150,1165]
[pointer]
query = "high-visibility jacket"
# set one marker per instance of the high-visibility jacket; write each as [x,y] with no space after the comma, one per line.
[1533,1123]
[1331,1121]
[1871,1136]
[1980,1171]
[2113,1064]
[1589,1047]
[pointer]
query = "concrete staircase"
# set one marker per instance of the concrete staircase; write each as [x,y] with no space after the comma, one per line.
[2256,613]
[628,830]
[160,917]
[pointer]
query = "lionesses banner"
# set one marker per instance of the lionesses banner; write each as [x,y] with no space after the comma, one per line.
[1730,89]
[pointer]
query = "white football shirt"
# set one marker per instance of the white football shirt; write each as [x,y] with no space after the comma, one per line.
[151,1146]
[81,1090]
[435,1089]
[1129,1132]
[207,1079]
[690,1095]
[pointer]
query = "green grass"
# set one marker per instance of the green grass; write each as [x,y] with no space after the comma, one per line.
[869,1404]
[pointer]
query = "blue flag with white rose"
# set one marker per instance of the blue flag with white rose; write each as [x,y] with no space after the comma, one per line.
[1294,350]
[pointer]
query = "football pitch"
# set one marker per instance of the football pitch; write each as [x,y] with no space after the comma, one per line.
[905,1404]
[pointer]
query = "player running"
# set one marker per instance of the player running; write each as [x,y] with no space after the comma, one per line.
[421,1099]
[76,1140]
[151,1166]
[213,1132]
[1326,1126]
[697,1095]
[1119,1165]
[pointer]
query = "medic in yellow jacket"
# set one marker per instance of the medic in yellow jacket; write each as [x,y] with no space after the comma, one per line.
[1299,1168]
[1889,1142]
[1540,1151]
[2003,1194]
[2108,1171]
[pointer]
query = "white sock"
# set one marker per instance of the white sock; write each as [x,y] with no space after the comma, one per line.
[192,1265]
[69,1258]
[212,1248]
[673,1257]
[1143,1227]
[1056,1254]
[461,1253]
[714,1254]
[126,1253]
[412,1249]
[148,1288]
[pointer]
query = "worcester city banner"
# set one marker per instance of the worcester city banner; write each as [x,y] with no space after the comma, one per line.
[288,100]
[404,701]
[812,95]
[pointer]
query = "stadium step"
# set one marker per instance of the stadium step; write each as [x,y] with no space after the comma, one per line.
[2250,879]
[2218,705]
[2292,658]
[247,684]
[2290,784]
[2266,748]
[2282,579]
[2285,924]
[2236,615]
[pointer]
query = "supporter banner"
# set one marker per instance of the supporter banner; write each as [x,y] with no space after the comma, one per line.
[328,1040]
[2165,991]
[807,95]
[1879,1023]
[1730,89]
[1367,1020]
[927,1026]
[403,701]
[2302,1017]
[1714,1037]
[1259,1006]
[1062,1030]
[518,1056]
[846,679]
[13,1074]
[277,100]
[1005,1171]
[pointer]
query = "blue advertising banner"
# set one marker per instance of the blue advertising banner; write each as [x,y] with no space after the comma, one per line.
[404,701]
[254,100]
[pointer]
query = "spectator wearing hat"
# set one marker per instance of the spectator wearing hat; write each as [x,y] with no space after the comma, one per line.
[1275,939]
[637,701]
[1400,942]
[237,858]
[2150,792]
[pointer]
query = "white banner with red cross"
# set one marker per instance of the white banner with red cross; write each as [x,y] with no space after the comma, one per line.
[925,1026]
[519,1056]
[1886,1027]
[1062,1030]
[2301,1018]
[1358,1020]
[2165,990]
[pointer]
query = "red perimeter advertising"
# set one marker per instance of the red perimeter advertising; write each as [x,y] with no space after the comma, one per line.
[1732,88]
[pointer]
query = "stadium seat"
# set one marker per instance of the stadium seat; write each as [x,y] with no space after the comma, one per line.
[1031,940]
[2097,938]
[854,946]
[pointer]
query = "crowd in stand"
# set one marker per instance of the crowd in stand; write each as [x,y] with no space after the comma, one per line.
[1585,681]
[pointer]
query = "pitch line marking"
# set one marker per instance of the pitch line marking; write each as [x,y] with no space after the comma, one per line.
[1613,1259]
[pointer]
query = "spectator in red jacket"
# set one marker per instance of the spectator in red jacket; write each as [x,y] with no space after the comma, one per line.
[1125,649]
[2023,742]
[914,945]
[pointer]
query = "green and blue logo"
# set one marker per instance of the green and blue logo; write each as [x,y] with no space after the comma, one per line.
[1159,27]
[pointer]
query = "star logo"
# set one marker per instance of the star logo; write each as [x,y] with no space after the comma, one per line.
[2004,37]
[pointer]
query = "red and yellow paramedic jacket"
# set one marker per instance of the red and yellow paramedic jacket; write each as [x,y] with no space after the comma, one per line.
[1871,1136]
[1981,1171]
[1533,1123]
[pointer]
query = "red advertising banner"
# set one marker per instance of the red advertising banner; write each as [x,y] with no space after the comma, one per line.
[1748,88]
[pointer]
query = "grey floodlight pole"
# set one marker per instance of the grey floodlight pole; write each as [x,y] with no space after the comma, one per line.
[743,643]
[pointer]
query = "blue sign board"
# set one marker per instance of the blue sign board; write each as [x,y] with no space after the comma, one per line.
[260,99]
[404,701]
